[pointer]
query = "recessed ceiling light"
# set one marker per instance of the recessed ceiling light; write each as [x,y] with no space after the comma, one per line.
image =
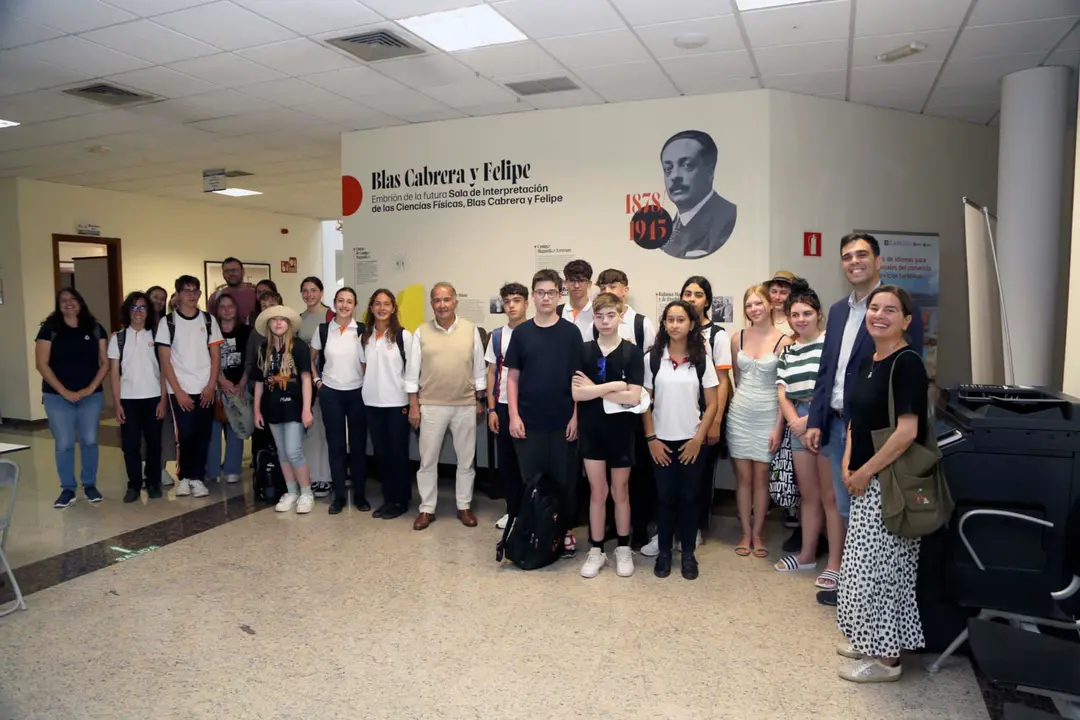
[237,192]
[7,123]
[902,52]
[691,41]
[463,29]
[745,5]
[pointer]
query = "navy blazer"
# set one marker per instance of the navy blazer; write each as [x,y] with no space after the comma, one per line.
[820,410]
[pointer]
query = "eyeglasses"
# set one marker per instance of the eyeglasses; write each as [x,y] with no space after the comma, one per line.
[546,293]
[578,281]
[138,308]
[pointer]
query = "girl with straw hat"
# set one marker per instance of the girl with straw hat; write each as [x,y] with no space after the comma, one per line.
[283,400]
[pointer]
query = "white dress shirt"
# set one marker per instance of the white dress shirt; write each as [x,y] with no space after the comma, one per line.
[856,319]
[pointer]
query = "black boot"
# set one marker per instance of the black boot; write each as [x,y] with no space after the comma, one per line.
[131,495]
[689,566]
[662,568]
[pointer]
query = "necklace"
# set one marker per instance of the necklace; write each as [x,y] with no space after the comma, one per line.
[874,363]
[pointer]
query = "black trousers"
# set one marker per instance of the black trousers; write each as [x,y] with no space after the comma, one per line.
[141,426]
[548,452]
[678,494]
[344,410]
[509,469]
[389,428]
[193,429]
[642,490]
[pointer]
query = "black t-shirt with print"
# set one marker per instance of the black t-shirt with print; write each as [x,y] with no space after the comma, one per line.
[869,401]
[282,398]
[234,352]
[626,362]
[74,355]
[547,357]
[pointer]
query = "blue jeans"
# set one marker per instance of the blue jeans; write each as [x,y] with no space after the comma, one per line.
[66,421]
[289,438]
[835,451]
[234,452]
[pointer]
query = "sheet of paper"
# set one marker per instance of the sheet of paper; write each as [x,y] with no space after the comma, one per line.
[365,267]
[472,309]
[552,257]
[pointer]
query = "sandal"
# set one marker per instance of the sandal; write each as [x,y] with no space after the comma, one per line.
[790,563]
[742,551]
[761,552]
[828,580]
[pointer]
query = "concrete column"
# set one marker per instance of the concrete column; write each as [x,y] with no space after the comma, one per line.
[1030,174]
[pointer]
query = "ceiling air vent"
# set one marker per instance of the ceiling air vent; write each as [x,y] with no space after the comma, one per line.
[238,173]
[377,45]
[110,95]
[542,86]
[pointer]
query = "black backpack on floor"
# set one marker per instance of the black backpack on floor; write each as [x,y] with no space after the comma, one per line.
[533,538]
[268,481]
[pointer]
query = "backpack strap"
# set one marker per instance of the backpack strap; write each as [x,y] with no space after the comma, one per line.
[655,356]
[595,333]
[209,320]
[496,347]
[121,340]
[559,309]
[330,315]
[170,322]
[401,349]
[639,330]
[324,332]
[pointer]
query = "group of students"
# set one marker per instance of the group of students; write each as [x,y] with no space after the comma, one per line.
[646,411]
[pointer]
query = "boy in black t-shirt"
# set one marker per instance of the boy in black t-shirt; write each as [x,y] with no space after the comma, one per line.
[543,356]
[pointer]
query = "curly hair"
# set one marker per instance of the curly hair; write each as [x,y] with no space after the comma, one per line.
[695,339]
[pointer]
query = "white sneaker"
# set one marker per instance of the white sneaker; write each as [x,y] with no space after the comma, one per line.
[232,479]
[624,561]
[653,547]
[166,478]
[305,504]
[286,503]
[183,488]
[198,489]
[871,670]
[501,522]
[678,544]
[594,562]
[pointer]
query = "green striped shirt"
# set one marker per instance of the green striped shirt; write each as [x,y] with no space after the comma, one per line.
[798,368]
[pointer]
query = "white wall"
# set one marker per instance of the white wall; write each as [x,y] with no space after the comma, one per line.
[13,364]
[838,166]
[161,239]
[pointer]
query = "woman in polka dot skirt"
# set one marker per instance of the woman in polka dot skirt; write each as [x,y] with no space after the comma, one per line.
[876,608]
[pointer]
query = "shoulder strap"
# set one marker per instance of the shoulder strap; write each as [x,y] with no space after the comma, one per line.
[401,349]
[655,356]
[892,392]
[496,346]
[777,345]
[595,333]
[329,314]
[742,334]
[639,330]
[324,331]
[121,340]
[208,319]
[627,352]
[559,309]
[170,321]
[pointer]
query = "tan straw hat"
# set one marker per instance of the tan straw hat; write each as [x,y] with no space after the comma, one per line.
[278,311]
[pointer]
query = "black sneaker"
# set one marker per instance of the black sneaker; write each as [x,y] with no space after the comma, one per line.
[380,510]
[337,506]
[66,499]
[92,494]
[131,495]
[791,519]
[662,568]
[153,493]
[363,505]
[793,545]
[320,489]
[393,510]
[689,567]
[827,597]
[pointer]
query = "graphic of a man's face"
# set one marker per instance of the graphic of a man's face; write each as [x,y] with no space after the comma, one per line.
[687,177]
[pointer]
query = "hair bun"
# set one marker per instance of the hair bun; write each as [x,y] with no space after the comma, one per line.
[799,285]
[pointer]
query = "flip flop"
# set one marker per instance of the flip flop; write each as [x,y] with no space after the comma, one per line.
[761,552]
[742,551]
[790,563]
[828,580]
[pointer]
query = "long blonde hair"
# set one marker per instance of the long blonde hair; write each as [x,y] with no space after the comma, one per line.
[288,365]
[762,293]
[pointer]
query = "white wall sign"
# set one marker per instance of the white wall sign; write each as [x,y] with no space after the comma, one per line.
[213,179]
[88,229]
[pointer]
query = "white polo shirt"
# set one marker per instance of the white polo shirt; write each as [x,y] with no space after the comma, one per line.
[720,350]
[343,357]
[626,328]
[675,411]
[189,351]
[583,319]
[140,374]
[384,374]
[489,358]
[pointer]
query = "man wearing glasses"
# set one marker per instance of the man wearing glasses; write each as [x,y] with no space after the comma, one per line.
[189,351]
[579,310]
[543,356]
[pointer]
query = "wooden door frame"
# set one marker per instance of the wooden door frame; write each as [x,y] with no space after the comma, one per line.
[114,263]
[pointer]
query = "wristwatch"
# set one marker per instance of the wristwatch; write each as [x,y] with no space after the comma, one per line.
[491,410]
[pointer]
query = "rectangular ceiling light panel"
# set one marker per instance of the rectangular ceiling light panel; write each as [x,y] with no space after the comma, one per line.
[463,29]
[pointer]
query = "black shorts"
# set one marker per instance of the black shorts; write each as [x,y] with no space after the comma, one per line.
[612,442]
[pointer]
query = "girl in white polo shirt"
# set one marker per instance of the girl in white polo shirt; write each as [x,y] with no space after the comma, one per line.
[682,380]
[386,401]
[138,394]
[338,359]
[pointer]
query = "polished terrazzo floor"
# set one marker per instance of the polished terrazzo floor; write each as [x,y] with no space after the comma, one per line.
[284,616]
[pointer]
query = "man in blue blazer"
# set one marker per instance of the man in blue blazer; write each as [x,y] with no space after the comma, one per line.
[847,344]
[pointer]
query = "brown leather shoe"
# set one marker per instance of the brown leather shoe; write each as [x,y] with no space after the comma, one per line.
[423,520]
[467,518]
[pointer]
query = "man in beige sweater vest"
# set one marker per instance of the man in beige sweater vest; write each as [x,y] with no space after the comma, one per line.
[446,379]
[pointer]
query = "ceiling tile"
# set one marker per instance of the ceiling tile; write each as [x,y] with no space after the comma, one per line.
[69,16]
[229,102]
[831,82]
[339,110]
[401,102]
[227,70]
[354,82]
[298,57]
[397,9]
[721,34]
[982,71]
[428,71]
[20,72]
[965,96]
[308,17]
[500,108]
[866,49]
[980,114]
[84,56]
[1011,39]
[809,58]
[542,19]
[891,17]
[498,61]
[1067,58]
[254,122]
[225,25]
[16,30]
[289,92]
[164,82]
[149,41]
[917,77]
[176,111]
[42,105]
[647,73]
[472,92]
[994,12]
[634,92]
[716,85]
[567,98]
[650,12]
[798,24]
[422,116]
[706,68]
[603,48]
[149,8]
[910,99]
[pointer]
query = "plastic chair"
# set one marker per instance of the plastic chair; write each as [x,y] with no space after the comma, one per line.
[9,476]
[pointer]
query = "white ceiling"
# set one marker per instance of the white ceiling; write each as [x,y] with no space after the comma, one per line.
[251,84]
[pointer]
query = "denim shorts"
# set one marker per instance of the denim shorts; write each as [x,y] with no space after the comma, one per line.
[802,408]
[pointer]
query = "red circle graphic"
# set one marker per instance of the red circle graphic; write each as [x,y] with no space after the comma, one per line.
[352,195]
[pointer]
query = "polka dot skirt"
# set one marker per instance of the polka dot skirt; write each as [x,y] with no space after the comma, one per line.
[876,608]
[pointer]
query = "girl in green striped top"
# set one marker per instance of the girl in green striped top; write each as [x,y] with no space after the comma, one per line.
[796,375]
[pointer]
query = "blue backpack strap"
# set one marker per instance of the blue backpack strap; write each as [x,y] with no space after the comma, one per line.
[496,346]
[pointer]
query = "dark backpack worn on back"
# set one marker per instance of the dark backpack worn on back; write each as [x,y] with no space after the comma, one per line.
[639,331]
[533,538]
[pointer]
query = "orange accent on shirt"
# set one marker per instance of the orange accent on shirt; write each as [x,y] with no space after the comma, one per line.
[379,335]
[574,313]
[342,329]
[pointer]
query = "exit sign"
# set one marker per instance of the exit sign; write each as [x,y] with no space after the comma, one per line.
[811,244]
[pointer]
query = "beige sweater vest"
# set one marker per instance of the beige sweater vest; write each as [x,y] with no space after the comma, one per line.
[446,364]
